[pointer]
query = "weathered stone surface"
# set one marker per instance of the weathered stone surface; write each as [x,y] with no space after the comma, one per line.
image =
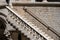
[21,0]
[26,15]
[48,15]
[3,2]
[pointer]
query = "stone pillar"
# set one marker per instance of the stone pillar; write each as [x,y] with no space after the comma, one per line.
[32,0]
[10,3]
[44,0]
